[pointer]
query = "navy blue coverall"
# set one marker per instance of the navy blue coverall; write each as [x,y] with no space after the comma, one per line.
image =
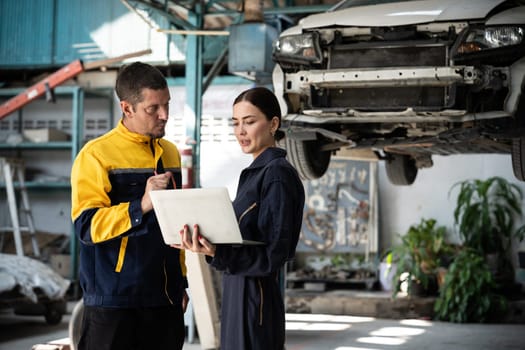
[269,208]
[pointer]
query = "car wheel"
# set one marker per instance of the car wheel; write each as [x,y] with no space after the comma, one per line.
[307,157]
[401,169]
[518,158]
[75,324]
[53,314]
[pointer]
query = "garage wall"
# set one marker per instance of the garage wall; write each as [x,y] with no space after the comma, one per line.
[51,33]
[430,196]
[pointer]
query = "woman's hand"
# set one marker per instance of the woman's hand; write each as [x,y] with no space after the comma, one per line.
[195,241]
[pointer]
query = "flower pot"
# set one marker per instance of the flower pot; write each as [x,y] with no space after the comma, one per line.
[386,274]
[417,288]
[521,260]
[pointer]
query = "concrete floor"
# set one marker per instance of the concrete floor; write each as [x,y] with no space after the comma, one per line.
[319,332]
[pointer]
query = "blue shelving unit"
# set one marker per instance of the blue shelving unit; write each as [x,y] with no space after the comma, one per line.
[77,95]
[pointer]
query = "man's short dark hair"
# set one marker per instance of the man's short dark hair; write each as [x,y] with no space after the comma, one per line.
[133,78]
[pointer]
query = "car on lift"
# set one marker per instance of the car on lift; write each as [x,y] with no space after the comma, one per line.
[401,81]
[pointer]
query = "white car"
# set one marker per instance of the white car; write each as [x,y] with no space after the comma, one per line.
[402,81]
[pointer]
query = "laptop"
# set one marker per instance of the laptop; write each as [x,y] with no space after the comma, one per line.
[210,208]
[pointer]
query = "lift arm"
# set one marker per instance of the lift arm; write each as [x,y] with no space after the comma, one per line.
[53,80]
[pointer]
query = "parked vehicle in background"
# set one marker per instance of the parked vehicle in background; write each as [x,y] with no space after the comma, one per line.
[403,81]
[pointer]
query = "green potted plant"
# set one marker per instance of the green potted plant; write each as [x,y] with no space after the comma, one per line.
[468,293]
[485,214]
[418,258]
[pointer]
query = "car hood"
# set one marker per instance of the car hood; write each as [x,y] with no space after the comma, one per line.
[399,13]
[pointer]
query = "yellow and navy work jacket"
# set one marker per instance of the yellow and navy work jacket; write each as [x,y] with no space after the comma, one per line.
[124,261]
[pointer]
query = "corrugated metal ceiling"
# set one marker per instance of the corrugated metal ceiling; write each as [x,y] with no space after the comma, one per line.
[39,36]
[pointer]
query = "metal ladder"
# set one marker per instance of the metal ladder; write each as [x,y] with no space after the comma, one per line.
[12,170]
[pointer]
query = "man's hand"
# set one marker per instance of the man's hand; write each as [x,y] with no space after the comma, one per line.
[156,182]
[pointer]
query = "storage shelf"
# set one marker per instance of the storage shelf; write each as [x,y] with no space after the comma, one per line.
[42,185]
[61,185]
[38,145]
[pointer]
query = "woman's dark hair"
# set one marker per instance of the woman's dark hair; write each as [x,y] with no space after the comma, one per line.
[265,100]
[134,77]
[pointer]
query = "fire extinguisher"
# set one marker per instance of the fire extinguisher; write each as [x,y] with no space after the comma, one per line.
[187,167]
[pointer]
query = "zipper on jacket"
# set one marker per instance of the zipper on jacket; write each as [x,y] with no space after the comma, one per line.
[261,303]
[247,210]
[152,149]
[166,283]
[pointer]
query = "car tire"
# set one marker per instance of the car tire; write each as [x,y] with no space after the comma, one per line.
[75,324]
[307,157]
[401,169]
[53,314]
[518,158]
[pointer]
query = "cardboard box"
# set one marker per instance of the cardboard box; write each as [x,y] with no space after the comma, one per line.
[45,135]
[61,263]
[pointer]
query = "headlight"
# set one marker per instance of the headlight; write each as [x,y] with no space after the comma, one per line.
[304,47]
[478,39]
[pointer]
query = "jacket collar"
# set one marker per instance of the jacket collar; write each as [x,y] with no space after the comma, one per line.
[132,136]
[267,156]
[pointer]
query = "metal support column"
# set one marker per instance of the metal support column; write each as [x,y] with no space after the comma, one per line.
[194,76]
[77,126]
[199,281]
